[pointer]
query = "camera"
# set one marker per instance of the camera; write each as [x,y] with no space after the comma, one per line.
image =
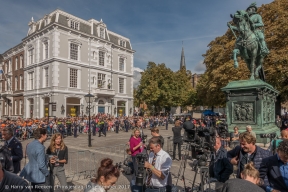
[268,135]
[222,129]
[143,138]
[141,158]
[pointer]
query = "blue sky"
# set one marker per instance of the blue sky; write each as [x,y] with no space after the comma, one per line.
[156,28]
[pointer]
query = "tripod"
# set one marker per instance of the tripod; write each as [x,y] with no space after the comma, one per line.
[183,164]
[203,170]
[204,175]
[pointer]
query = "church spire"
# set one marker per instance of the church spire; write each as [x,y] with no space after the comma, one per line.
[182,61]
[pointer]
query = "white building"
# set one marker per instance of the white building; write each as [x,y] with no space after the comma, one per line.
[65,54]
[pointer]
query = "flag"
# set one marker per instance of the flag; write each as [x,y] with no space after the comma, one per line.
[1,71]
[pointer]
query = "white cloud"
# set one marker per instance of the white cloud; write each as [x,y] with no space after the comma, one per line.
[136,76]
[200,67]
[137,69]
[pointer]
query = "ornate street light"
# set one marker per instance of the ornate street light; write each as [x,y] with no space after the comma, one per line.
[89,99]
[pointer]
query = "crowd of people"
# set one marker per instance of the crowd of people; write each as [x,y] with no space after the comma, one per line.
[71,126]
[265,169]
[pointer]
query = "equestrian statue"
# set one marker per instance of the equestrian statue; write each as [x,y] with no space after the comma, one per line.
[250,43]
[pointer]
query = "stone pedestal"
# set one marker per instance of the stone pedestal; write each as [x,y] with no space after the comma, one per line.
[251,102]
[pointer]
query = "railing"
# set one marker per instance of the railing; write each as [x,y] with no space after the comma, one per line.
[84,163]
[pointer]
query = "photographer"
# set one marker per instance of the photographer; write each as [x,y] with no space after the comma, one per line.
[177,139]
[220,168]
[155,133]
[158,165]
[275,143]
[136,146]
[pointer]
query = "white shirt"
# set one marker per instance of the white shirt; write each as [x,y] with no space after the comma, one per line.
[163,163]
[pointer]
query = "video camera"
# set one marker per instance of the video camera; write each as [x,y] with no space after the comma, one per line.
[141,158]
[222,129]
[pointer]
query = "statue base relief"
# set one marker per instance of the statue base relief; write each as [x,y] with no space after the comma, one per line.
[251,102]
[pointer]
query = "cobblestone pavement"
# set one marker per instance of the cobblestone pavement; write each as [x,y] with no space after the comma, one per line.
[80,155]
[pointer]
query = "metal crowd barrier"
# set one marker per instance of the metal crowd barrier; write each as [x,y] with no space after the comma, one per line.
[85,163]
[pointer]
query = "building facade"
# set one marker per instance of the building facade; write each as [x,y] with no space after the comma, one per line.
[65,58]
[12,82]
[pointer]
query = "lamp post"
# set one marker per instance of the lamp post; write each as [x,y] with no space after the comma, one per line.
[89,99]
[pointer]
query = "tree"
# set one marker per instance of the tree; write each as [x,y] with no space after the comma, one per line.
[220,70]
[163,88]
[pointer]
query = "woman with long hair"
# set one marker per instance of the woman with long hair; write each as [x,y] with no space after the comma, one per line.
[58,154]
[107,176]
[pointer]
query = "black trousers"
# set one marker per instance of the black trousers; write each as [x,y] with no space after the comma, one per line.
[179,150]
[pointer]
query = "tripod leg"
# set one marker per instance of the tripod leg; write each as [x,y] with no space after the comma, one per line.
[195,175]
[183,165]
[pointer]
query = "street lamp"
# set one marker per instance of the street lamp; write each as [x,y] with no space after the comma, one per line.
[89,99]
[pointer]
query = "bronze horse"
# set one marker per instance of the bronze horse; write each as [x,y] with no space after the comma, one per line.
[247,46]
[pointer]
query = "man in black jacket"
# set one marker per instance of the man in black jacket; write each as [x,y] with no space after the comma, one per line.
[275,168]
[177,138]
[15,148]
[246,152]
[220,168]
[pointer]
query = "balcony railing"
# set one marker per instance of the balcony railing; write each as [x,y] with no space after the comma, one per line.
[103,91]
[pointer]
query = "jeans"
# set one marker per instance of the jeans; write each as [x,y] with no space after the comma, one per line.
[179,150]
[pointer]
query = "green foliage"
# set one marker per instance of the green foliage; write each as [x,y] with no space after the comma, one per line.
[161,87]
[220,70]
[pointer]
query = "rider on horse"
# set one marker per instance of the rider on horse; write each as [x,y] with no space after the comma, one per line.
[257,26]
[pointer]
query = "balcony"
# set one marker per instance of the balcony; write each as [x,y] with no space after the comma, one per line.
[103,92]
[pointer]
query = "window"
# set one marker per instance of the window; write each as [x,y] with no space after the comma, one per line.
[121,64]
[16,83]
[30,80]
[121,85]
[21,62]
[6,67]
[15,108]
[94,55]
[21,107]
[101,80]
[10,66]
[20,82]
[9,84]
[102,33]
[122,43]
[45,44]
[73,78]
[46,77]
[101,102]
[101,58]
[30,52]
[16,63]
[73,51]
[74,25]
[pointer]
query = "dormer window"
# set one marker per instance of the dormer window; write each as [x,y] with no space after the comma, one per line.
[102,33]
[122,43]
[74,25]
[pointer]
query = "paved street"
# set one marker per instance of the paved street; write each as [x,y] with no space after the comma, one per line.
[98,143]
[83,161]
